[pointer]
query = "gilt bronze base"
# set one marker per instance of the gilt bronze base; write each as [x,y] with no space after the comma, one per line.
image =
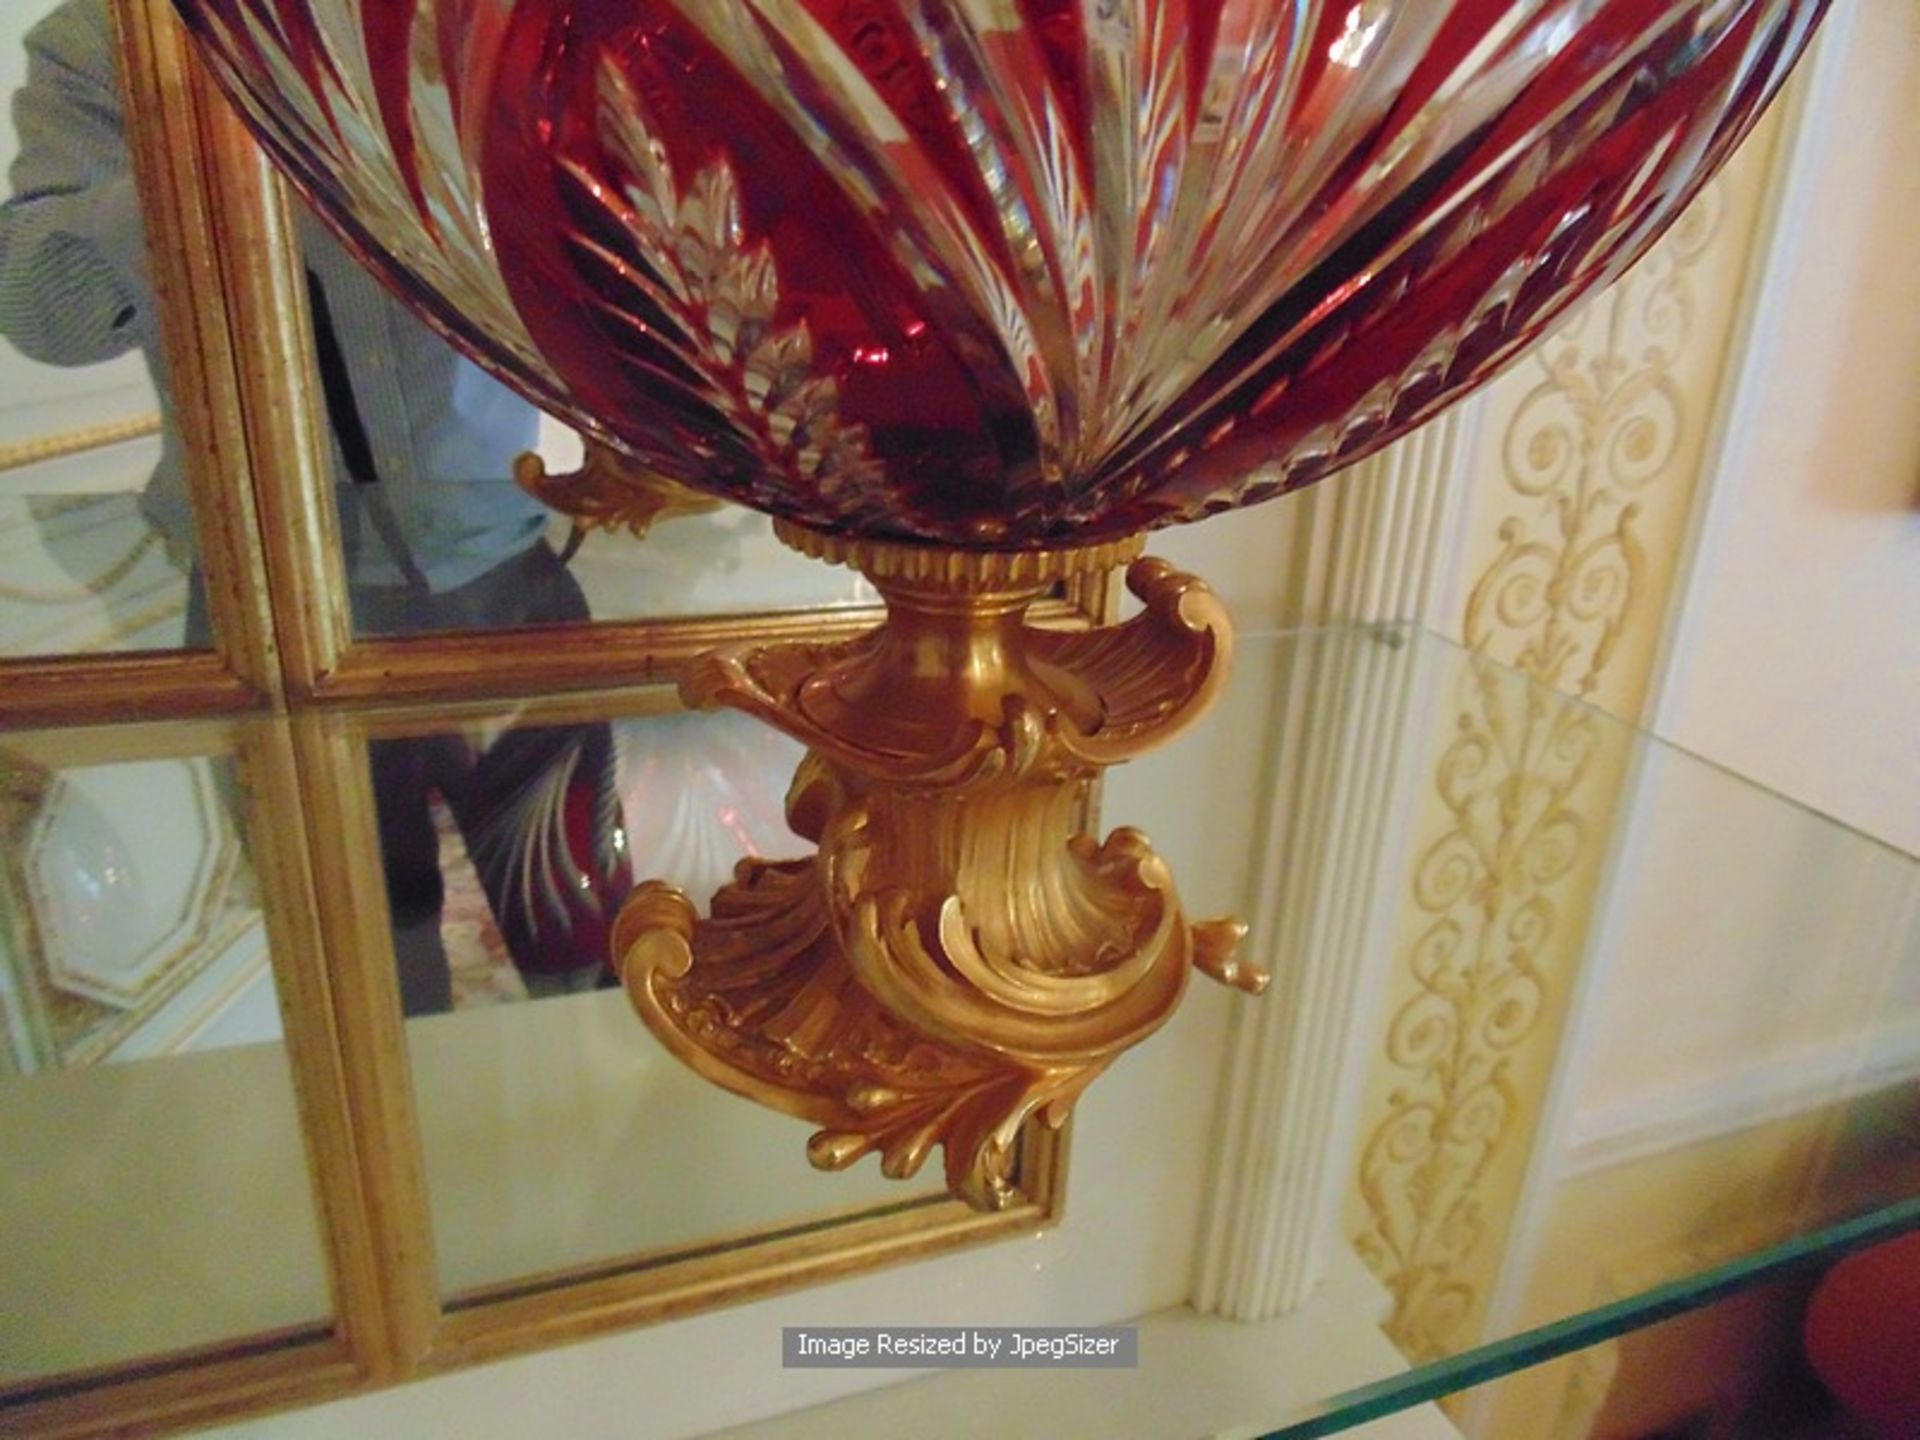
[957,956]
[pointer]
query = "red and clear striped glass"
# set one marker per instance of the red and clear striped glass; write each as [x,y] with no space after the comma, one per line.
[1000,273]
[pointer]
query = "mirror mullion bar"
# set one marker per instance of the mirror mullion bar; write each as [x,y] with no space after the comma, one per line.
[354,931]
[278,841]
[180,207]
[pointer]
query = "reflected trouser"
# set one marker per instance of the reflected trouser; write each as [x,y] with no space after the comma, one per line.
[537,807]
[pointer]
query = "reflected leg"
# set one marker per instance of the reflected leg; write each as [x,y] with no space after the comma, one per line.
[404,774]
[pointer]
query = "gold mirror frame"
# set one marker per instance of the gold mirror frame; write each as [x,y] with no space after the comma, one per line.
[235,324]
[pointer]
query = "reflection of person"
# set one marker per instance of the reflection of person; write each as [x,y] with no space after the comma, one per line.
[436,534]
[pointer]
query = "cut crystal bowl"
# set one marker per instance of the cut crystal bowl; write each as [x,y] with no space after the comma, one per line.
[999,274]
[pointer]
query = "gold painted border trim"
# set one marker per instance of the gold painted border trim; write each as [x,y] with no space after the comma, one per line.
[181,184]
[492,665]
[580,1310]
[390,1304]
[107,689]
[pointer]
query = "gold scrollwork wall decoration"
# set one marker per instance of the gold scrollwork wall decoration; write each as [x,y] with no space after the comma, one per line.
[1601,425]
[1495,890]
[1489,892]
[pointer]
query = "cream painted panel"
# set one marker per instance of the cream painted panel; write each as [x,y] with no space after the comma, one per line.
[1247,556]
[1743,927]
[1797,658]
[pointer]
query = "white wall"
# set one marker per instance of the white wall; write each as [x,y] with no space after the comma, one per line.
[1798,644]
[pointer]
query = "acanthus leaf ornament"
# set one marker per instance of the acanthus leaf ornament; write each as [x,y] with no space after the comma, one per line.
[961,286]
[957,957]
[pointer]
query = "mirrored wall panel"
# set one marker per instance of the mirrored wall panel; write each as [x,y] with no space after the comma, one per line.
[440,536]
[695,557]
[436,470]
[97,547]
[156,1194]
[559,1135]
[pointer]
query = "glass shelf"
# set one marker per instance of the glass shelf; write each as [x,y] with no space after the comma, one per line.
[1439,1379]
[1728,1094]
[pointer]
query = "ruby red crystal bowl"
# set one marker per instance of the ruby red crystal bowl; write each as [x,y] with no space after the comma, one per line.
[999,273]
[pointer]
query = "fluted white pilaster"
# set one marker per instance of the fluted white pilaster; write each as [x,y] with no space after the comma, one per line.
[1373,547]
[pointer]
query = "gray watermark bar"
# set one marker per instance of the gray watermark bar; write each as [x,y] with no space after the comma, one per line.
[958,1347]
